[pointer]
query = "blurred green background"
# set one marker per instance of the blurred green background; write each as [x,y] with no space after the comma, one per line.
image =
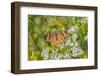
[75,45]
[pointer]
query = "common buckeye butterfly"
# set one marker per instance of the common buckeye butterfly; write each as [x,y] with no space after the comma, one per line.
[56,38]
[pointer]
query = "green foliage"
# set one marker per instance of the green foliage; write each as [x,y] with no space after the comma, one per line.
[40,26]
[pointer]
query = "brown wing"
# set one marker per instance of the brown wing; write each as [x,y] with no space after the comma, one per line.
[56,38]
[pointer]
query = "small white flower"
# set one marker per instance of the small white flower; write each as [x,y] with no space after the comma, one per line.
[76,44]
[76,51]
[60,56]
[73,29]
[71,44]
[67,41]
[45,54]
[67,56]
[74,36]
[53,54]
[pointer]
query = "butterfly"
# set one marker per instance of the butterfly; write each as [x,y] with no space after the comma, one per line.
[56,38]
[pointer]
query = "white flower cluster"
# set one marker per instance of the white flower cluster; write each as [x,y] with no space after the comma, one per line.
[53,54]
[70,43]
[73,29]
[45,54]
[74,46]
[76,51]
